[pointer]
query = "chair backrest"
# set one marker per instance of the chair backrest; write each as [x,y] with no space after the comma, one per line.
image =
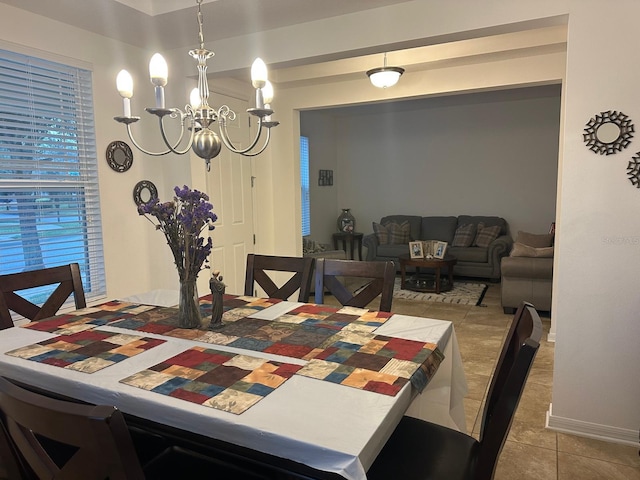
[45,438]
[68,278]
[259,265]
[382,275]
[509,378]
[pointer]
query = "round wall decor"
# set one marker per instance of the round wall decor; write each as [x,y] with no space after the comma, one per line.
[144,192]
[633,170]
[119,156]
[608,133]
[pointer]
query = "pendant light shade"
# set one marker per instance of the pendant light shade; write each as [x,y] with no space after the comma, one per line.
[384,77]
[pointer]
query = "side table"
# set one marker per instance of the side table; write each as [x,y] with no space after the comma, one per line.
[348,239]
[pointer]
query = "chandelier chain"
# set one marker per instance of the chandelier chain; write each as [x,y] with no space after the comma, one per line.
[200,35]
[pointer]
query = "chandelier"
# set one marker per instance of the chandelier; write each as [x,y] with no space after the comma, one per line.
[385,77]
[198,116]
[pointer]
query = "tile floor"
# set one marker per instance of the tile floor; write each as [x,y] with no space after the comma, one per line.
[531,452]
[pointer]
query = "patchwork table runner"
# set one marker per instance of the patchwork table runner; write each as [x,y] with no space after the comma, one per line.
[221,380]
[86,351]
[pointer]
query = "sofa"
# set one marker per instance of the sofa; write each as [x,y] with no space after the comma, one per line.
[527,273]
[478,242]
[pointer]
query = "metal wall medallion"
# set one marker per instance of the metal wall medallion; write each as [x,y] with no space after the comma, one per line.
[608,133]
[119,156]
[144,192]
[633,170]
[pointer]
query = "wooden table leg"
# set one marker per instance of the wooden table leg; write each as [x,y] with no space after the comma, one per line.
[402,275]
[437,279]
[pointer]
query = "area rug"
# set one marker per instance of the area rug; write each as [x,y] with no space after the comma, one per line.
[462,293]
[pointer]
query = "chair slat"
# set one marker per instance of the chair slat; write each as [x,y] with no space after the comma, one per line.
[330,271]
[66,276]
[259,265]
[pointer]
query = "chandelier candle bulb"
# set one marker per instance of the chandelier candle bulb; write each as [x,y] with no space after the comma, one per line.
[259,74]
[159,72]
[194,99]
[124,84]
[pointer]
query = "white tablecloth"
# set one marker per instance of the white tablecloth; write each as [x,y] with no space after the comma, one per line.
[323,425]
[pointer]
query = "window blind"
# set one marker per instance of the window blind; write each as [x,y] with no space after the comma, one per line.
[304,185]
[49,199]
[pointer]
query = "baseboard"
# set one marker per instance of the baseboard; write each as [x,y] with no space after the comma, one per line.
[591,430]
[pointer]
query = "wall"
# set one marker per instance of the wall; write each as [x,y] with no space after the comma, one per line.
[491,153]
[596,386]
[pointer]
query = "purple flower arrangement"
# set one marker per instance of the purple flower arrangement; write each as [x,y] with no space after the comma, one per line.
[182,221]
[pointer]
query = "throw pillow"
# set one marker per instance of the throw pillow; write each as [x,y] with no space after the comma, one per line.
[522,250]
[535,240]
[392,233]
[486,235]
[464,235]
[399,234]
[381,233]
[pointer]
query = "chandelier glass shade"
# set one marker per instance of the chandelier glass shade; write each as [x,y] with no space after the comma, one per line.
[385,77]
[198,116]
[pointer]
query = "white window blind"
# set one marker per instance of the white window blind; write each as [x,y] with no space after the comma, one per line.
[49,201]
[304,185]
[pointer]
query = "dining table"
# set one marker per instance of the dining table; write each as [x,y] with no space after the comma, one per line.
[318,385]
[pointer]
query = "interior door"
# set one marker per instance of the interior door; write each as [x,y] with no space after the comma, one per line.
[229,187]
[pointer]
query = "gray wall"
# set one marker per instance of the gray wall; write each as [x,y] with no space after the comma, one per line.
[491,153]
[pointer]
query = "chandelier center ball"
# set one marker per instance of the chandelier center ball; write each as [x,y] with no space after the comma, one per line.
[206,144]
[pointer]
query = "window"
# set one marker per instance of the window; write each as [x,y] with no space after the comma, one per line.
[49,201]
[304,185]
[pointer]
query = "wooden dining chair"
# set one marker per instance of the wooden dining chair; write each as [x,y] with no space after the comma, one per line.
[259,265]
[68,278]
[419,450]
[331,273]
[45,438]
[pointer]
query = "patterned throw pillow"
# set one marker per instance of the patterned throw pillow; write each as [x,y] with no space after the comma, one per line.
[535,240]
[392,233]
[381,233]
[522,250]
[486,235]
[464,236]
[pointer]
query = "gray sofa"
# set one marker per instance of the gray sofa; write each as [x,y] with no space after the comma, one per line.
[473,261]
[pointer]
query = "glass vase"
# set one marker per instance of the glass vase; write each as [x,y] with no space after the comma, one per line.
[188,305]
[346,221]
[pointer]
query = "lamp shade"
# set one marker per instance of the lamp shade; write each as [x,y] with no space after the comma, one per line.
[385,77]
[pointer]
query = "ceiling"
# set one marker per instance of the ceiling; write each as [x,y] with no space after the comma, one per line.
[137,21]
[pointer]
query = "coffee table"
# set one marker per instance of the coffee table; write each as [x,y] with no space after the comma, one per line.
[422,282]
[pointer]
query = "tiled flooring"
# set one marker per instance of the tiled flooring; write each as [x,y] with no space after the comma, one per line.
[531,452]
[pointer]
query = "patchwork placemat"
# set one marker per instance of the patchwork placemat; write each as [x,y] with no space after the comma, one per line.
[87,351]
[350,318]
[222,380]
[88,318]
[375,363]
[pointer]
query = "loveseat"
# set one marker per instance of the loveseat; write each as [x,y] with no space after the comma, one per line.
[478,242]
[527,273]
